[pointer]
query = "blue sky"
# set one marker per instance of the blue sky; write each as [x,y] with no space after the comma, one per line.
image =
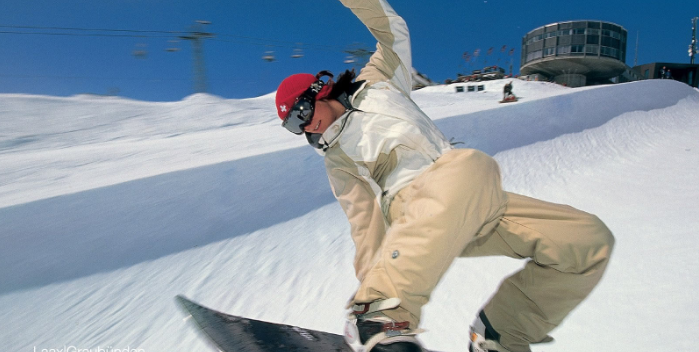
[38,58]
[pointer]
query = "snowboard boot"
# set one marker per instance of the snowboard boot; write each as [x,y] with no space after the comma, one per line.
[369,330]
[483,337]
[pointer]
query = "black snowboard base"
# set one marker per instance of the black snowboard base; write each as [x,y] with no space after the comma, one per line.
[231,333]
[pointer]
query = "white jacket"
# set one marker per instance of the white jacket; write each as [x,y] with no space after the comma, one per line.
[374,152]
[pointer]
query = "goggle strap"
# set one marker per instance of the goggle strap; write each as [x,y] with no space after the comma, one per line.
[324,73]
[313,90]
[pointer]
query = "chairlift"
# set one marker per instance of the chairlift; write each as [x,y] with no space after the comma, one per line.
[297,54]
[268,56]
[140,52]
[173,46]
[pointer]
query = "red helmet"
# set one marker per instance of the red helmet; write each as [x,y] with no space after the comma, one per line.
[294,86]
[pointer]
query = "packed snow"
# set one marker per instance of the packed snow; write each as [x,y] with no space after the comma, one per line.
[110,207]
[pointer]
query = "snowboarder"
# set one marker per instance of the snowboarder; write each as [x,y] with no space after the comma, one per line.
[508,96]
[414,204]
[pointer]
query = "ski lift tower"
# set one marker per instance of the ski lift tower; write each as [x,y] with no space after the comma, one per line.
[197,36]
[693,46]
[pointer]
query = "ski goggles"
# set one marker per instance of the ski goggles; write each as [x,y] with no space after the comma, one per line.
[301,114]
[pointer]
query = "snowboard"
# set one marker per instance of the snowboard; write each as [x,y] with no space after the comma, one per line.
[509,100]
[232,333]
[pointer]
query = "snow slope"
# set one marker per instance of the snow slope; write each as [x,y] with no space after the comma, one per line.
[110,207]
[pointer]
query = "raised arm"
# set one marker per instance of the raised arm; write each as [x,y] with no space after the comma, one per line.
[392,60]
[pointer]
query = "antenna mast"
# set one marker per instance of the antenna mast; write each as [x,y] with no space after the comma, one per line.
[693,45]
[635,60]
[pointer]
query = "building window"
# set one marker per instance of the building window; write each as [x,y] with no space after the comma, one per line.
[550,51]
[592,31]
[564,49]
[577,49]
[578,31]
[611,52]
[550,35]
[534,55]
[535,39]
[565,32]
[592,49]
[611,42]
[646,74]
[612,34]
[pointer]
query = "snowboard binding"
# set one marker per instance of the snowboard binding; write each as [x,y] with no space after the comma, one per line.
[368,329]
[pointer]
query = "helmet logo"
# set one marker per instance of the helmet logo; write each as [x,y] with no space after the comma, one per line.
[282,107]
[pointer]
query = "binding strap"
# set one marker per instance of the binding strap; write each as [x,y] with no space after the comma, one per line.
[383,328]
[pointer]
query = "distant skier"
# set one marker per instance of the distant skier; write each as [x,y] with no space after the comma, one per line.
[508,96]
[414,204]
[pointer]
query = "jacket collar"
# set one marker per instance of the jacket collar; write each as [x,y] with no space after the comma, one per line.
[356,87]
[332,134]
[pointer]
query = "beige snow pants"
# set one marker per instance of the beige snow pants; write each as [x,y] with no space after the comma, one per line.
[457,208]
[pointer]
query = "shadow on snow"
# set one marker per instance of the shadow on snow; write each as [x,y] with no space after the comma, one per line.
[100,230]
